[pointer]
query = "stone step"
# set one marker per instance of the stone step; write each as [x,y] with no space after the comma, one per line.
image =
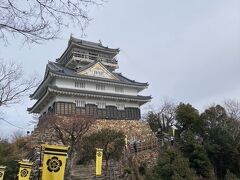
[87,171]
[83,172]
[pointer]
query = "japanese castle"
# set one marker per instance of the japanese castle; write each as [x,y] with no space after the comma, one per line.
[83,81]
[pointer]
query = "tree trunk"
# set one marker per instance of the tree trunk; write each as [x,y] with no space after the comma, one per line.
[106,168]
[69,166]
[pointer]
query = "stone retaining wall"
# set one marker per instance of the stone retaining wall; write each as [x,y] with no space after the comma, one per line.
[134,129]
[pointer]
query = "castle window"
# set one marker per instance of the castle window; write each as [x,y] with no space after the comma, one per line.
[120,106]
[50,109]
[98,73]
[100,87]
[101,105]
[93,56]
[79,84]
[80,103]
[119,89]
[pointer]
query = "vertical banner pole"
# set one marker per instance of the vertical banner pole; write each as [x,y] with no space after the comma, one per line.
[2,171]
[25,168]
[173,131]
[40,165]
[99,153]
[126,141]
[54,162]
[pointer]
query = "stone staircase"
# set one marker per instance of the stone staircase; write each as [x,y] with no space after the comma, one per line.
[146,153]
[87,171]
[84,172]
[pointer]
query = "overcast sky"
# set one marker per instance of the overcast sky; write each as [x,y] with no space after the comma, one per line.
[187,50]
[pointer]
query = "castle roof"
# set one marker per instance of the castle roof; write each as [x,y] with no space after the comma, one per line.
[58,70]
[75,42]
[62,70]
[89,44]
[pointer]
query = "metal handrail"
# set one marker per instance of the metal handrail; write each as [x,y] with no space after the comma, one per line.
[142,146]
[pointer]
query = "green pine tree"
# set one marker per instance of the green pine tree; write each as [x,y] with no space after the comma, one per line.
[172,165]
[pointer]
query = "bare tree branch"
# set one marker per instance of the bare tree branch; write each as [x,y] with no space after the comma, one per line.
[40,20]
[69,129]
[13,86]
[233,109]
[163,119]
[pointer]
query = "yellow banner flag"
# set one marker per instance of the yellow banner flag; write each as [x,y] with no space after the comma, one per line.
[173,131]
[126,141]
[99,153]
[24,169]
[2,171]
[54,162]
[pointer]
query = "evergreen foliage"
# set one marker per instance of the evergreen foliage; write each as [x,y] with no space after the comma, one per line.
[188,118]
[220,142]
[193,149]
[8,158]
[152,119]
[210,142]
[172,165]
[230,176]
[112,142]
[191,128]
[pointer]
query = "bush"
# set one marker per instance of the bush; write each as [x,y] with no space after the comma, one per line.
[112,142]
[230,176]
[8,157]
[172,165]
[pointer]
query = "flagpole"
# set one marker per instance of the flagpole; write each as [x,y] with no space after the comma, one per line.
[40,159]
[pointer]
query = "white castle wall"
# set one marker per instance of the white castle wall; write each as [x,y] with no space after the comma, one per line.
[91,86]
[72,99]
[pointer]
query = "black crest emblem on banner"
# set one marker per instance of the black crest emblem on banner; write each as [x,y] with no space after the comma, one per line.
[24,173]
[1,174]
[99,154]
[54,164]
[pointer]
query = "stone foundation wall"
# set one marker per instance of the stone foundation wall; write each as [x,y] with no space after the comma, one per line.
[134,129]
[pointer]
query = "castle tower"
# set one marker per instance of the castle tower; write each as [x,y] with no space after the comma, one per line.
[83,81]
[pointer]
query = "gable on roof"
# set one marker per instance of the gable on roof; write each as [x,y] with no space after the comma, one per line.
[98,70]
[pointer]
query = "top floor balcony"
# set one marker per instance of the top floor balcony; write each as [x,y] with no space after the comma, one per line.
[84,58]
[93,57]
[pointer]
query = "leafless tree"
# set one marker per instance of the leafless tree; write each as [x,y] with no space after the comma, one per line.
[13,86]
[166,115]
[233,108]
[39,20]
[21,143]
[69,129]
[17,135]
[163,119]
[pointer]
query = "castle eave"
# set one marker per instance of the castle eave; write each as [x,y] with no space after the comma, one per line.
[94,94]
[74,42]
[36,108]
[38,92]
[96,79]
